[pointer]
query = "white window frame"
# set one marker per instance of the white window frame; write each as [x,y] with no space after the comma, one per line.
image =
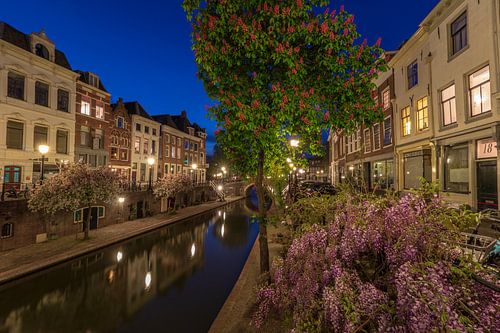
[99,111]
[383,137]
[374,148]
[384,104]
[85,108]
[367,138]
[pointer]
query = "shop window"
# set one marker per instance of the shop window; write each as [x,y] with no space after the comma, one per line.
[382,175]
[456,169]
[417,165]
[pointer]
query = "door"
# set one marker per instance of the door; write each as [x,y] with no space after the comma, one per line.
[487,192]
[12,177]
[93,218]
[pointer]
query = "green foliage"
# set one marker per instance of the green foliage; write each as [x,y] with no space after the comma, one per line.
[280,68]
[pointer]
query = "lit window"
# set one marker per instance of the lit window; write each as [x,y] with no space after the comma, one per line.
[422,114]
[459,34]
[412,73]
[114,153]
[85,108]
[386,99]
[448,105]
[405,121]
[99,111]
[479,91]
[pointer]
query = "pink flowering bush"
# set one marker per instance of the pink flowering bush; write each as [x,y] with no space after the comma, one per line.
[381,265]
[170,185]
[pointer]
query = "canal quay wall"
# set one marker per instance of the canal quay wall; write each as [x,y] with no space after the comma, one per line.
[29,228]
[30,259]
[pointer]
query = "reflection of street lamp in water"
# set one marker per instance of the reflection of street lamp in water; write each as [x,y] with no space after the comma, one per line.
[193,250]
[222,231]
[147,280]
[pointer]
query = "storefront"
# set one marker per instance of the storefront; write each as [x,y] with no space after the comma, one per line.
[486,174]
[416,165]
[382,174]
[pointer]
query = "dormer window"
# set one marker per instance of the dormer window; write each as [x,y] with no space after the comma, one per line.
[94,80]
[42,51]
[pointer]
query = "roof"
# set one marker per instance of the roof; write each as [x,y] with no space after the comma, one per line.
[84,77]
[21,40]
[137,109]
[165,119]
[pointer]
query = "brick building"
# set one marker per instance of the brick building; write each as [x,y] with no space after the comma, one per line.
[366,155]
[183,147]
[120,138]
[92,120]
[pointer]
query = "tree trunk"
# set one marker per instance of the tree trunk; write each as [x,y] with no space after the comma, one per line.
[86,225]
[261,197]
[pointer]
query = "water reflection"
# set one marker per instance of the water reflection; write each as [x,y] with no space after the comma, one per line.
[164,278]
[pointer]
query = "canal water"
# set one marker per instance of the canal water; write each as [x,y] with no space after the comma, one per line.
[174,279]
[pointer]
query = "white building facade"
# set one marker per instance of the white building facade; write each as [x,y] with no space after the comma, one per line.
[37,107]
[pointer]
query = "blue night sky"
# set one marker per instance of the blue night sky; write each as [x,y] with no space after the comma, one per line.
[142,49]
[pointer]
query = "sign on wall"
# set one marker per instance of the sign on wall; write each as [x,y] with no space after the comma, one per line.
[486,148]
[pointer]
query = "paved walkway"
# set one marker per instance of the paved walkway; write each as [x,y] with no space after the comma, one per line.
[18,262]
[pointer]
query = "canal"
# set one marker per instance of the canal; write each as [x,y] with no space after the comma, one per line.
[174,279]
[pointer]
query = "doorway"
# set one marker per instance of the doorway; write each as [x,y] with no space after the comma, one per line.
[487,191]
[93,217]
[12,177]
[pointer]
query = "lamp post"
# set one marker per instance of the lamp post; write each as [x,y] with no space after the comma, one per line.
[43,149]
[151,162]
[121,200]
[194,166]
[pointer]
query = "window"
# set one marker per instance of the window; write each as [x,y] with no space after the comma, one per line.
[448,105]
[167,138]
[7,230]
[146,129]
[78,216]
[160,149]
[93,160]
[456,169]
[179,142]
[114,153]
[15,134]
[179,153]
[383,174]
[153,147]
[84,136]
[62,142]
[173,152]
[368,141]
[186,144]
[62,100]
[479,91]
[143,172]
[99,111]
[386,99]
[124,154]
[412,73]
[422,114]
[41,93]
[154,131]
[40,136]
[387,131]
[15,87]
[42,51]
[93,80]
[138,127]
[100,211]
[376,137]
[166,168]
[82,158]
[178,169]
[186,159]
[137,145]
[119,122]
[172,169]
[85,107]
[459,34]
[416,164]
[146,146]
[98,141]
[405,121]
[195,147]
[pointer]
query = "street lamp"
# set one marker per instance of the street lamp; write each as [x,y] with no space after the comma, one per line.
[43,149]
[194,166]
[151,162]
[288,160]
